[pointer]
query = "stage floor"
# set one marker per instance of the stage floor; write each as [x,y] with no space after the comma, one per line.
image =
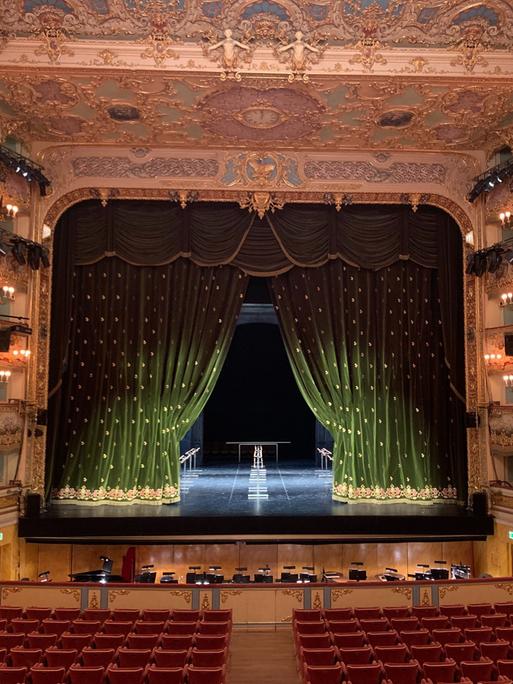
[283,501]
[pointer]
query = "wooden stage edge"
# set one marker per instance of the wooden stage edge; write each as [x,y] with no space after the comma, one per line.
[260,605]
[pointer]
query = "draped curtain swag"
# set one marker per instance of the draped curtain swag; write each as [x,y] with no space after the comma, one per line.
[146,297]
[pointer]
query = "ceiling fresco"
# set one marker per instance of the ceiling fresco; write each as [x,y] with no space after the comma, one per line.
[392,22]
[199,111]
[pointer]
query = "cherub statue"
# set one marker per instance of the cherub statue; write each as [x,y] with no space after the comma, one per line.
[299,48]
[229,45]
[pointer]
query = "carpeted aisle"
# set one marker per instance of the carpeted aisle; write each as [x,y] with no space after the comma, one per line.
[262,657]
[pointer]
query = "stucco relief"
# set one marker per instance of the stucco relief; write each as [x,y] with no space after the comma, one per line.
[123,167]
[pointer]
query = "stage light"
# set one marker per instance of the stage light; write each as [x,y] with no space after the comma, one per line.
[34,256]
[18,249]
[491,183]
[45,259]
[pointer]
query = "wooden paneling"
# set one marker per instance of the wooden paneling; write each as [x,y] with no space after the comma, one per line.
[254,556]
[294,554]
[57,559]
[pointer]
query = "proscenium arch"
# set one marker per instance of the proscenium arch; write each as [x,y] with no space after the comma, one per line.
[472,345]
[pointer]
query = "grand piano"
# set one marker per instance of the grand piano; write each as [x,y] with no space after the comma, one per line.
[103,576]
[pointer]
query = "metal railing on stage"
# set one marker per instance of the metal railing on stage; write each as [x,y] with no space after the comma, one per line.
[189,459]
[326,458]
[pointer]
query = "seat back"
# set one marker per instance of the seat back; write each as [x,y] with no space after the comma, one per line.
[142,641]
[133,657]
[374,624]
[205,675]
[392,654]
[306,615]
[100,614]
[156,615]
[208,658]
[495,650]
[477,670]
[504,633]
[424,611]
[78,641]
[97,657]
[440,672]
[464,621]
[37,613]
[124,675]
[346,639]
[25,657]
[430,653]
[415,636]
[353,656]
[323,674]
[479,634]
[47,675]
[338,614]
[61,657]
[367,613]
[175,627]
[365,674]
[342,626]
[453,609]
[104,641]
[383,638]
[407,624]
[117,627]
[185,615]
[68,614]
[147,627]
[210,627]
[176,642]
[38,640]
[82,674]
[23,625]
[437,622]
[495,620]
[211,642]
[396,612]
[168,658]
[480,608]
[318,656]
[125,614]
[402,673]
[447,636]
[504,607]
[85,626]
[50,626]
[165,675]
[465,650]
[9,640]
[505,668]
[12,675]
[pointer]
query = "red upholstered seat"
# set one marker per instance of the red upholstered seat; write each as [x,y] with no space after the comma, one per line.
[174,627]
[43,641]
[104,641]
[205,675]
[23,626]
[319,656]
[38,613]
[125,614]
[495,650]
[213,642]
[3,654]
[365,674]
[465,650]
[97,657]
[353,656]
[480,608]
[448,636]
[505,668]
[12,675]
[396,612]
[156,615]
[504,607]
[338,614]
[10,612]
[25,657]
[124,675]
[142,641]
[168,658]
[346,639]
[225,627]
[479,634]
[8,640]
[392,654]
[133,657]
[165,675]
[177,642]
[437,622]
[78,641]
[425,611]
[117,627]
[403,673]
[452,609]
[142,627]
[342,626]
[185,615]
[504,633]
[367,613]
[68,614]
[477,670]
[208,658]
[50,626]
[85,626]
[47,675]
[61,657]
[430,653]
[495,620]
[403,624]
[100,614]
[374,624]
[382,638]
[415,636]
[303,615]
[444,671]
[83,674]
[464,621]
[323,674]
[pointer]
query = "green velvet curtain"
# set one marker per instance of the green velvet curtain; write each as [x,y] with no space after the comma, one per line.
[148,345]
[367,351]
[145,300]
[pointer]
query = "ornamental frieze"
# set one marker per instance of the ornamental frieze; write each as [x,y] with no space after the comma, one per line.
[123,167]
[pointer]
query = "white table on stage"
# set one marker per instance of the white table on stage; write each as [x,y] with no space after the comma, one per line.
[261,444]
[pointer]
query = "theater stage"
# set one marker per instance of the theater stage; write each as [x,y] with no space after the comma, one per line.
[282,502]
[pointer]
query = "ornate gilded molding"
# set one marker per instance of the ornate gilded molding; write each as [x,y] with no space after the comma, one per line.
[74,593]
[7,591]
[446,590]
[508,588]
[297,594]
[225,595]
[114,593]
[185,595]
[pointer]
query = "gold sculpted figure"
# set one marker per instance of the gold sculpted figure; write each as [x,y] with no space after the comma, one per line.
[299,48]
[229,45]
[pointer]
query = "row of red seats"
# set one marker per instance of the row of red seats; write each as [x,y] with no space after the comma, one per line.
[449,610]
[120,614]
[49,626]
[101,640]
[401,653]
[124,657]
[404,623]
[447,672]
[113,674]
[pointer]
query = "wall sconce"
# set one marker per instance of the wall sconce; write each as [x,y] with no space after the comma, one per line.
[7,294]
[5,376]
[24,354]
[491,358]
[506,298]
[505,217]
